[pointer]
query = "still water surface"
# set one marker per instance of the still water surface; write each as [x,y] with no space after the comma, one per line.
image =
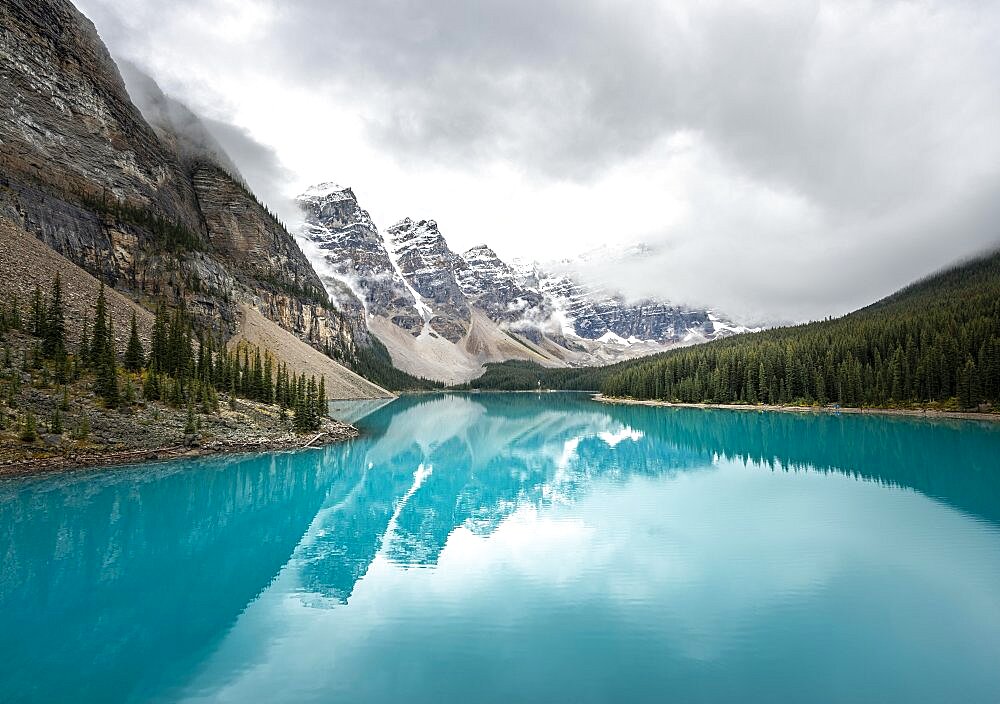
[520,548]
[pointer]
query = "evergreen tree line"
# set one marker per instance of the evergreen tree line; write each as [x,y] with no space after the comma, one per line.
[936,341]
[520,375]
[375,364]
[182,366]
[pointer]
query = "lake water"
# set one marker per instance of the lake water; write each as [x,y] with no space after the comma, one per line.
[520,548]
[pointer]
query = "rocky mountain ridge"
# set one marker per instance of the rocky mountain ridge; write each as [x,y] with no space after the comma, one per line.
[147,205]
[474,300]
[430,268]
[355,265]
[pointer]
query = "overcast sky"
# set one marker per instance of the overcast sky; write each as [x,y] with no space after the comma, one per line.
[781,160]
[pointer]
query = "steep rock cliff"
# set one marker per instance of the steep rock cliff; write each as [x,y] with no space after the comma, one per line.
[431,268]
[355,256]
[271,272]
[69,124]
[144,209]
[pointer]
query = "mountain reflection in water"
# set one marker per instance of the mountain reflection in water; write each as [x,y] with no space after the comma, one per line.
[142,583]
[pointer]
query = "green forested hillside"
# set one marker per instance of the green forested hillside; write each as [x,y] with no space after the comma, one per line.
[519,375]
[374,363]
[937,341]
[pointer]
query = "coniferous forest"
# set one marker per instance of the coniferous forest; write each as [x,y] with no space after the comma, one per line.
[935,342]
[183,368]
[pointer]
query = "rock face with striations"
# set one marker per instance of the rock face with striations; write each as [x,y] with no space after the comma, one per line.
[431,268]
[355,255]
[263,256]
[141,208]
[493,285]
[69,123]
[595,313]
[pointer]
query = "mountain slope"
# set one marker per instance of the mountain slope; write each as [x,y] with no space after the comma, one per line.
[27,263]
[341,383]
[444,315]
[936,341]
[155,212]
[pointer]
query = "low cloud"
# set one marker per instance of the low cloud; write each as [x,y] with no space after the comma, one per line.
[783,159]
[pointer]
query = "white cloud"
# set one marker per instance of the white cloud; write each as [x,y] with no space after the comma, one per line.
[786,159]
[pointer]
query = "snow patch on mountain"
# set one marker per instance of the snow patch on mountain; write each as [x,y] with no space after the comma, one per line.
[443,314]
[326,191]
[426,312]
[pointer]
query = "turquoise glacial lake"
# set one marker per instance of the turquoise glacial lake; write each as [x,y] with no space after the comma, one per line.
[520,548]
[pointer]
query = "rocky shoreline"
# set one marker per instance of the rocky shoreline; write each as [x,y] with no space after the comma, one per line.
[911,412]
[331,432]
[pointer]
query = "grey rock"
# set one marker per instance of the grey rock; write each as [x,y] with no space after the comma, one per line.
[361,273]
[82,170]
[431,268]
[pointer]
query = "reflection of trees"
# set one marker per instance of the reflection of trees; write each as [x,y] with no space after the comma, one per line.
[493,453]
[126,577]
[954,461]
[130,576]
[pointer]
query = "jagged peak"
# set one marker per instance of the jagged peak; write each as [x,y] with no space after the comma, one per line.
[404,224]
[480,251]
[326,191]
[411,224]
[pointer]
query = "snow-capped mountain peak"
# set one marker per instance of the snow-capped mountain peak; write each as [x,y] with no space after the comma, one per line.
[324,191]
[479,306]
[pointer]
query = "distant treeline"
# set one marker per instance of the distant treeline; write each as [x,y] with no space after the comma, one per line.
[375,364]
[937,341]
[518,375]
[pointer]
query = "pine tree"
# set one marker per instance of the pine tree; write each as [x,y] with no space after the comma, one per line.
[268,390]
[967,392]
[189,427]
[257,372]
[84,350]
[106,383]
[29,432]
[129,391]
[82,431]
[54,338]
[158,353]
[322,407]
[38,317]
[151,383]
[134,354]
[101,339]
[14,321]
[302,408]
[62,369]
[13,390]
[312,401]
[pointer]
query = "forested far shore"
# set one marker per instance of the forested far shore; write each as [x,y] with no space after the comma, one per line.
[935,343]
